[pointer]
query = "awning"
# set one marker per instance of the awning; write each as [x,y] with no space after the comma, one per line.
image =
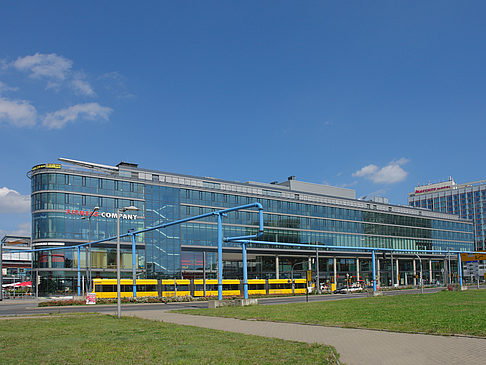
[18,285]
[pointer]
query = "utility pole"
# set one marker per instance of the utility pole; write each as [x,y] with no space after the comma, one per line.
[317,272]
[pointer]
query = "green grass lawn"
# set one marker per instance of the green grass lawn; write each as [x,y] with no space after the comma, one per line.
[439,313]
[101,339]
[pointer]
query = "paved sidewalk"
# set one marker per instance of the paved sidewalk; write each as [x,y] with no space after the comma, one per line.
[354,345]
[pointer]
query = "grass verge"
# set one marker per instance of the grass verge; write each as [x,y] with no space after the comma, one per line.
[444,313]
[101,339]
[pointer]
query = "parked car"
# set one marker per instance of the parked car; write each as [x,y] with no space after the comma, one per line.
[346,290]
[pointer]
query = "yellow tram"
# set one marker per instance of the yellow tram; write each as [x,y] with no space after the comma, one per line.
[106,288]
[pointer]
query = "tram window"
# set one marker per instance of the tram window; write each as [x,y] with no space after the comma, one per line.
[126,288]
[231,287]
[256,286]
[107,288]
[146,288]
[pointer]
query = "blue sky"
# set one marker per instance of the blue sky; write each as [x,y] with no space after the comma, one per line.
[376,96]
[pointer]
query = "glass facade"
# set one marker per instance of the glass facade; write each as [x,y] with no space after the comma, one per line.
[468,201]
[62,200]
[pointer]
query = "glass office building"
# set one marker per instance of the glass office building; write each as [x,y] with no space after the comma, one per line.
[64,197]
[467,200]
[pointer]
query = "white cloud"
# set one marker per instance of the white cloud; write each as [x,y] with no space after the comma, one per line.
[367,170]
[23,229]
[17,112]
[115,83]
[4,87]
[389,174]
[82,87]
[13,202]
[402,161]
[56,73]
[50,66]
[57,70]
[89,111]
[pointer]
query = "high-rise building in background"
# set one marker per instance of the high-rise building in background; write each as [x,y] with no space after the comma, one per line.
[467,200]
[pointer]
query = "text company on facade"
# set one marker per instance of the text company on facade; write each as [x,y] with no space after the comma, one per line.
[101,214]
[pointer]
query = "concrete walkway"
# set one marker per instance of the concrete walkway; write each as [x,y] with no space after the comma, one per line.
[355,346]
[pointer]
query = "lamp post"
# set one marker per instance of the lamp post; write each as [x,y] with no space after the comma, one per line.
[318,284]
[118,291]
[292,274]
[421,282]
[449,266]
[88,254]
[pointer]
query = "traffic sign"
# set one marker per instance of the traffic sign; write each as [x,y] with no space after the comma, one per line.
[466,257]
[309,275]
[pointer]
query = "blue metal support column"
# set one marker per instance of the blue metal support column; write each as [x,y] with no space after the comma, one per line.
[79,271]
[134,267]
[245,271]
[459,268]
[220,257]
[373,269]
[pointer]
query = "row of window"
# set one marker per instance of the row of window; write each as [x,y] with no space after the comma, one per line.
[283,221]
[206,235]
[64,201]
[269,205]
[429,203]
[84,184]
[101,258]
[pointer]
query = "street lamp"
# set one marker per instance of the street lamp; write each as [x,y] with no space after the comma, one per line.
[118,211]
[88,254]
[292,274]
[449,266]
[421,282]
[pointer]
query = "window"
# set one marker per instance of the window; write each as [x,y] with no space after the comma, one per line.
[116,185]
[155,177]
[272,193]
[66,197]
[132,187]
[83,180]
[66,179]
[83,200]
[211,185]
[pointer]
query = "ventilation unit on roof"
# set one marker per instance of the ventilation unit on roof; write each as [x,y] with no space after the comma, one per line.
[127,164]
